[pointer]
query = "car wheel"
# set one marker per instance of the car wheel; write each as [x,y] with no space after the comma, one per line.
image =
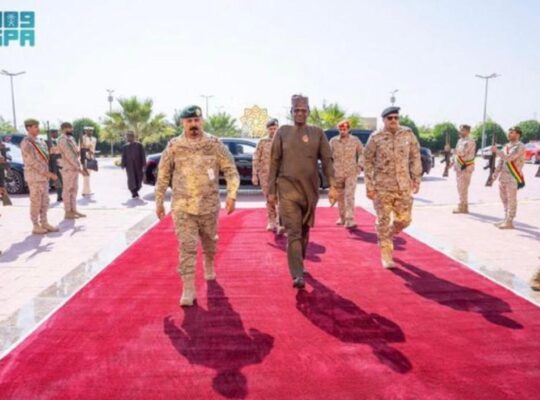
[14,182]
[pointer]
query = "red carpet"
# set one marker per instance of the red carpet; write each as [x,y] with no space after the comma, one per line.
[431,329]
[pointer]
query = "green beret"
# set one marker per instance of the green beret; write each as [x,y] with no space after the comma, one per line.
[390,110]
[31,121]
[191,112]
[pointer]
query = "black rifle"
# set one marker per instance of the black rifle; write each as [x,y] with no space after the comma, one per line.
[447,153]
[491,163]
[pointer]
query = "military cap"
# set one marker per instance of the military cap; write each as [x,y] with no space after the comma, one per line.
[191,112]
[517,129]
[31,121]
[272,122]
[390,110]
[88,128]
[344,124]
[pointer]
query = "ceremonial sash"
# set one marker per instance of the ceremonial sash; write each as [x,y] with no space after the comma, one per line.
[464,164]
[42,151]
[514,171]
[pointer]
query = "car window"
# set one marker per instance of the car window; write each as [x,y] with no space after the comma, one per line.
[244,148]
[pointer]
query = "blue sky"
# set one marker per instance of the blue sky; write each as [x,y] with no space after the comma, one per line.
[252,52]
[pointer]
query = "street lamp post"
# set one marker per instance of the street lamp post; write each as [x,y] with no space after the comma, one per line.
[110,98]
[11,75]
[486,78]
[393,96]
[207,97]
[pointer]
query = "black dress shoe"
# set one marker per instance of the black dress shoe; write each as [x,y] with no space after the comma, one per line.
[299,283]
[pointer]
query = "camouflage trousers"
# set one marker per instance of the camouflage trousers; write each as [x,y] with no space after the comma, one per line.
[463,182]
[189,228]
[39,202]
[69,190]
[346,188]
[393,215]
[271,211]
[508,192]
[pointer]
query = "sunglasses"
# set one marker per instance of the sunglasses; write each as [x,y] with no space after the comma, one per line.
[393,117]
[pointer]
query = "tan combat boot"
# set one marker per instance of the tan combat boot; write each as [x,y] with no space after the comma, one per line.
[499,223]
[386,258]
[535,281]
[506,225]
[38,230]
[188,292]
[350,225]
[79,215]
[271,226]
[209,272]
[280,230]
[339,221]
[70,215]
[459,210]
[49,227]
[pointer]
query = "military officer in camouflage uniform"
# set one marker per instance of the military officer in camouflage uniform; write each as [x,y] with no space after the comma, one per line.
[36,173]
[393,172]
[71,168]
[261,171]
[192,163]
[464,167]
[347,154]
[509,172]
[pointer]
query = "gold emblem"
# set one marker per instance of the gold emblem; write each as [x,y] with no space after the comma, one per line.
[254,121]
[305,138]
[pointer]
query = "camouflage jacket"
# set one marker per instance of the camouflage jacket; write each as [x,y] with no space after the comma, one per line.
[511,152]
[36,159]
[192,167]
[70,153]
[392,161]
[347,155]
[261,158]
[466,151]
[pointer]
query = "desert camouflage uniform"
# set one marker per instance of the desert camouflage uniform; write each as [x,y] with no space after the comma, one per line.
[348,162]
[466,150]
[261,170]
[193,166]
[71,166]
[36,168]
[511,152]
[88,143]
[392,165]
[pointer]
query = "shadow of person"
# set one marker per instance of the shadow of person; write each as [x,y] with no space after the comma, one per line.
[457,297]
[312,252]
[371,237]
[343,319]
[216,338]
[31,243]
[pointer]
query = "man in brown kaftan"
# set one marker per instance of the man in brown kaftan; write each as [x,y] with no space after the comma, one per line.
[294,177]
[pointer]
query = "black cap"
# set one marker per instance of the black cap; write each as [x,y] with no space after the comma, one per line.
[191,112]
[390,110]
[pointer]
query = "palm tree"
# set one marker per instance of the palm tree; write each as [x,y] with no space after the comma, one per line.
[136,116]
[221,124]
[329,115]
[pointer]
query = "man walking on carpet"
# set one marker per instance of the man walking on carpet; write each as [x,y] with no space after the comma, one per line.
[294,177]
[192,163]
[393,172]
[133,160]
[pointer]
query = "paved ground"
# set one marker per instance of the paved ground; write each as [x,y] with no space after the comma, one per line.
[37,274]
